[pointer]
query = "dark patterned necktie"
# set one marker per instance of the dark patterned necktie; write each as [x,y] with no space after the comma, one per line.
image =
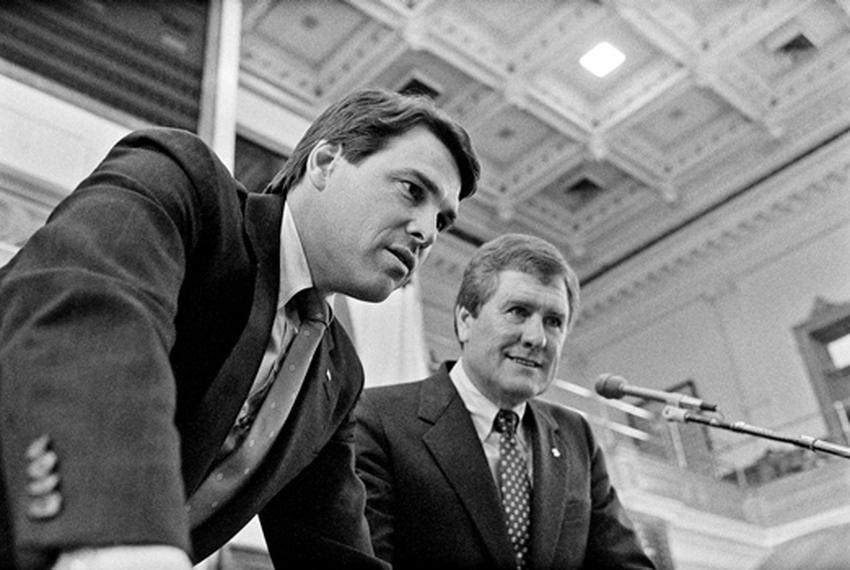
[514,485]
[309,306]
[249,441]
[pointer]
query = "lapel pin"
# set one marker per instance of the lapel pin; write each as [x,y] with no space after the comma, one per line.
[555,452]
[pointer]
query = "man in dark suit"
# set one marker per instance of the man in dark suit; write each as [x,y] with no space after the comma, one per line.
[151,400]
[467,469]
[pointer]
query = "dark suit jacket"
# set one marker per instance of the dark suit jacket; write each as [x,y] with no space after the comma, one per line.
[432,501]
[125,337]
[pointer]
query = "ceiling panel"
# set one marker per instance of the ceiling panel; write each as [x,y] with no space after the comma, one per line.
[309,31]
[713,95]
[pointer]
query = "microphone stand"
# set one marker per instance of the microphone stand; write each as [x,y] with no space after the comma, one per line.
[671,413]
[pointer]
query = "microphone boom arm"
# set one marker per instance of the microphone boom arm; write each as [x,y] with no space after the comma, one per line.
[671,413]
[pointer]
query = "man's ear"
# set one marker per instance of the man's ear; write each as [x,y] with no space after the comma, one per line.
[320,162]
[463,322]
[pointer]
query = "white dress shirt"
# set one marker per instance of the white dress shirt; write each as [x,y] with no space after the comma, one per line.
[294,278]
[483,412]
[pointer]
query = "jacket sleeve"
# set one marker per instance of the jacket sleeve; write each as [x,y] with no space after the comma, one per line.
[612,541]
[87,311]
[373,467]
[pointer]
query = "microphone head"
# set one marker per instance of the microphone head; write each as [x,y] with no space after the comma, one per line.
[610,386]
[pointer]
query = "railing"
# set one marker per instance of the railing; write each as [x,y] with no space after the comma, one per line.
[620,425]
[656,458]
[841,411]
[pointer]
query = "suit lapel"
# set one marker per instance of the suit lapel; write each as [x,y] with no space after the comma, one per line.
[457,451]
[206,429]
[295,446]
[313,418]
[549,495]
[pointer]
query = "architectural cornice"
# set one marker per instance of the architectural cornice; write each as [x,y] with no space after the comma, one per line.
[805,199]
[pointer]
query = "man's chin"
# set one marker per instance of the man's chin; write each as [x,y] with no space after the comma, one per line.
[377,293]
[530,385]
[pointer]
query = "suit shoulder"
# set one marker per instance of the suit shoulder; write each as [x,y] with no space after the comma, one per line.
[394,400]
[166,134]
[183,147]
[563,415]
[392,392]
[173,154]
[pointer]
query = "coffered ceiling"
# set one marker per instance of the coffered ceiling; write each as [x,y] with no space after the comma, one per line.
[687,153]
[713,96]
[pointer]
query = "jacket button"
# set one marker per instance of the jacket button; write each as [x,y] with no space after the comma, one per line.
[43,486]
[44,507]
[42,466]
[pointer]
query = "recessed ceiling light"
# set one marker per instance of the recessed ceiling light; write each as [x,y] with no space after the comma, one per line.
[602,59]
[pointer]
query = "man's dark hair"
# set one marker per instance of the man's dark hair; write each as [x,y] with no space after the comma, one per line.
[365,121]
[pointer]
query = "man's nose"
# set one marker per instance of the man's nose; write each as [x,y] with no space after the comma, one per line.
[423,227]
[533,332]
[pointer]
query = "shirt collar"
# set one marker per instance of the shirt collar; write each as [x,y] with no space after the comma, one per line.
[294,271]
[481,409]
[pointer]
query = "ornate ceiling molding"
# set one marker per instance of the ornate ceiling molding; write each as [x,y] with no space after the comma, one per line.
[804,195]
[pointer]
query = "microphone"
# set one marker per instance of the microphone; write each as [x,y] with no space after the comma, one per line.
[611,386]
